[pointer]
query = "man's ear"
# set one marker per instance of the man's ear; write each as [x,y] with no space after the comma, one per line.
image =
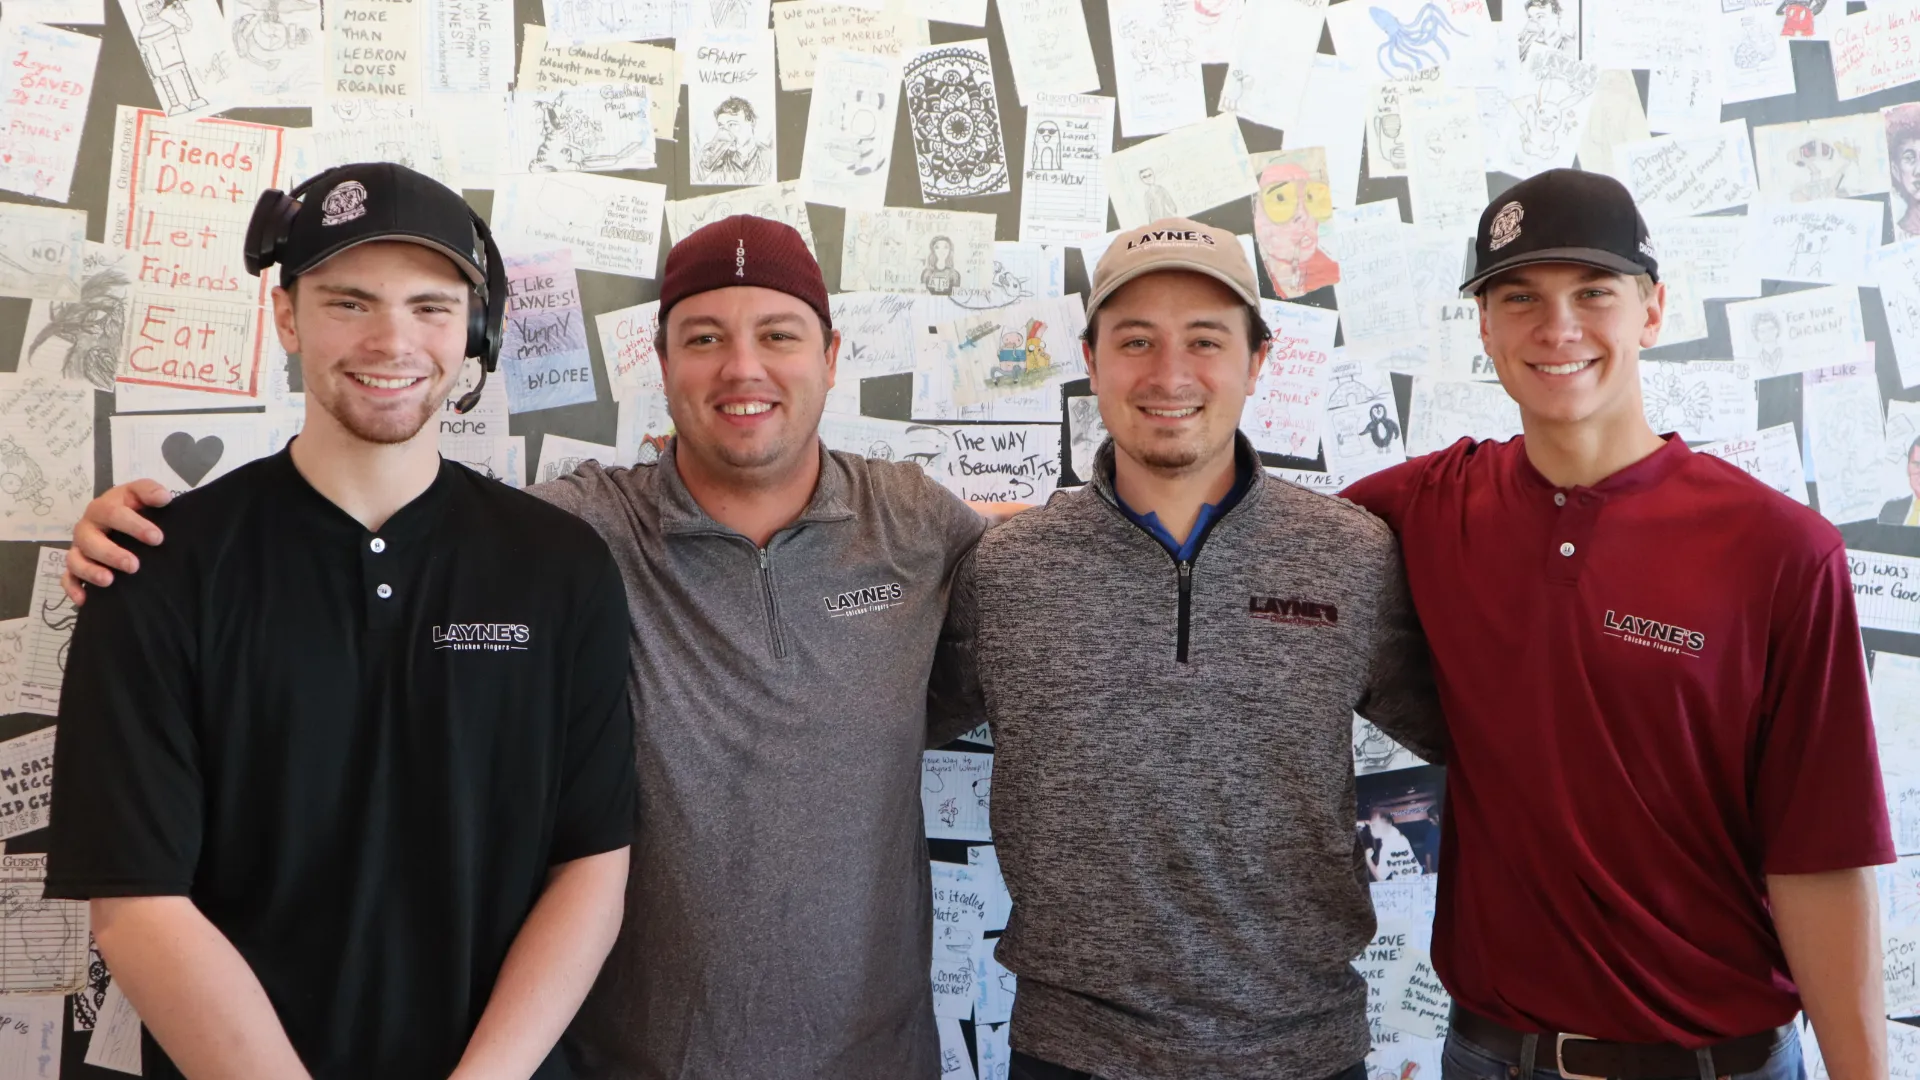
[833,357]
[283,322]
[1656,317]
[1093,377]
[1259,363]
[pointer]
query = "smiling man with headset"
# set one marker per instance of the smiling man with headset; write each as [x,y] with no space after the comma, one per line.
[346,771]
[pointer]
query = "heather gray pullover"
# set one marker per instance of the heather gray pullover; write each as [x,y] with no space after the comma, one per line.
[779,916]
[1173,793]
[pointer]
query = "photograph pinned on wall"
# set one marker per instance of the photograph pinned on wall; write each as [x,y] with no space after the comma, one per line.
[602,127]
[776,202]
[1361,434]
[1180,174]
[188,56]
[1902,126]
[1770,455]
[1291,206]
[82,339]
[1156,70]
[849,146]
[282,50]
[1048,48]
[544,360]
[1395,39]
[46,456]
[1834,158]
[613,225]
[896,249]
[1399,821]
[955,120]
[1064,196]
[40,131]
[1267,73]
[1796,331]
[730,108]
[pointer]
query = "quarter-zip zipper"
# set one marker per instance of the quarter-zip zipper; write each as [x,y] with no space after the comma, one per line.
[773,608]
[1186,606]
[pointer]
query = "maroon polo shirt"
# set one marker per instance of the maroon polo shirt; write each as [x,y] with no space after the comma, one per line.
[1656,695]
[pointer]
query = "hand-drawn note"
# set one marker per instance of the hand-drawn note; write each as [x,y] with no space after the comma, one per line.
[500,458]
[190,450]
[370,129]
[1048,48]
[1458,352]
[1005,364]
[999,462]
[46,456]
[13,663]
[954,1064]
[1375,751]
[954,784]
[282,49]
[850,129]
[1615,117]
[1446,162]
[730,103]
[775,202]
[1771,456]
[1876,49]
[1386,125]
[729,14]
[30,1034]
[560,455]
[1392,39]
[612,225]
[1846,442]
[959,909]
[115,1043]
[1834,158]
[999,904]
[469,46]
[545,65]
[1796,331]
[62,12]
[1376,963]
[26,794]
[876,338]
[1713,254]
[1283,415]
[1701,400]
[955,119]
[1180,174]
[182,193]
[1293,203]
[187,54]
[993,1046]
[598,127]
[1336,123]
[373,49]
[993,986]
[42,254]
[587,23]
[1086,431]
[1683,101]
[894,249]
[81,340]
[1895,269]
[1268,73]
[1378,300]
[49,82]
[1546,112]
[1361,432]
[1754,60]
[50,624]
[1648,33]
[1156,68]
[1895,690]
[1020,272]
[1829,241]
[885,440]
[543,352]
[805,29]
[1416,1001]
[1439,413]
[1886,590]
[1682,175]
[1064,199]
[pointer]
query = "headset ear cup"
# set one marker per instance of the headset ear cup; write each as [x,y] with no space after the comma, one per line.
[268,229]
[477,326]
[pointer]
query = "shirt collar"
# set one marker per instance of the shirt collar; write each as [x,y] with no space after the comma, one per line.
[417,518]
[681,514]
[1250,477]
[1639,476]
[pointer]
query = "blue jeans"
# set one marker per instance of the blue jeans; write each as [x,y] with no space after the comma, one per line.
[1464,1060]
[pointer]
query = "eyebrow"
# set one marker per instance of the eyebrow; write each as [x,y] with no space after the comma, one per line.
[1196,324]
[778,318]
[356,293]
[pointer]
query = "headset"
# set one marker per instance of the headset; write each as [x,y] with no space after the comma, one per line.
[272,224]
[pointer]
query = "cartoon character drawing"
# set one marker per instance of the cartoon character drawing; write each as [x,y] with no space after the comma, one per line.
[21,478]
[736,154]
[1799,16]
[1546,28]
[1757,44]
[854,124]
[1766,330]
[1158,199]
[1408,44]
[1046,147]
[1013,360]
[940,277]
[1037,357]
[1289,211]
[92,327]
[574,135]
[1389,141]
[162,23]
[261,33]
[1380,427]
[1823,166]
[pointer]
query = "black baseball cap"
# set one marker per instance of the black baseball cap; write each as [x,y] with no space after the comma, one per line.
[380,200]
[1562,215]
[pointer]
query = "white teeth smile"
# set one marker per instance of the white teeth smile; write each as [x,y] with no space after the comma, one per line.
[1172,414]
[379,383]
[747,408]
[1565,369]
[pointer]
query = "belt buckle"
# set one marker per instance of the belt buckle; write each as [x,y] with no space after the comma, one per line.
[1560,1061]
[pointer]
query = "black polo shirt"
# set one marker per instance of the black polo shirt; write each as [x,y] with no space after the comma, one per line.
[359,753]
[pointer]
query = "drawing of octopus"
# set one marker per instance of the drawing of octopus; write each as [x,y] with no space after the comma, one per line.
[1407,43]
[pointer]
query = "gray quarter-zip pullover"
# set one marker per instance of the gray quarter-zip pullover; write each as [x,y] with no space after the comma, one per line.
[1173,791]
[779,918]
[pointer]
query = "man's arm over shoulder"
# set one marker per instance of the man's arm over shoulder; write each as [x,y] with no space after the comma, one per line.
[1401,698]
[598,801]
[592,493]
[1384,493]
[955,702]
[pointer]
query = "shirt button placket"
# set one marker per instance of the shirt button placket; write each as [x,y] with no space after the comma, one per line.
[377,571]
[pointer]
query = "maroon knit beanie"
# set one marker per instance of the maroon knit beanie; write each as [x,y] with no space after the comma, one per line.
[743,250]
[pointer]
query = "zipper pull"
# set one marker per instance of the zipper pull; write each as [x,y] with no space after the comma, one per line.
[763,558]
[1186,572]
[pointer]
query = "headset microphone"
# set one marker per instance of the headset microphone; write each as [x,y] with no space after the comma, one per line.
[472,397]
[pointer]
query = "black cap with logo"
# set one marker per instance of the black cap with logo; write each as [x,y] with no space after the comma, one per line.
[379,200]
[1562,215]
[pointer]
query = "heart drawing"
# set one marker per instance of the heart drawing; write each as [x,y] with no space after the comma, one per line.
[190,458]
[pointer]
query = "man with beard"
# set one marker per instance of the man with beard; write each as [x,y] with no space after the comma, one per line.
[735,154]
[779,920]
[344,771]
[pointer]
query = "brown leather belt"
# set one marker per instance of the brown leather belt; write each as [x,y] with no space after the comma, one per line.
[1580,1057]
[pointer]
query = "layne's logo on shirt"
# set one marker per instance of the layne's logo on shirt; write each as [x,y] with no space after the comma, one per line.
[1293,612]
[863,600]
[482,637]
[1665,637]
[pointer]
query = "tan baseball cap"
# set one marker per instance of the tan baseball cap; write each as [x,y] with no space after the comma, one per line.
[1174,244]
